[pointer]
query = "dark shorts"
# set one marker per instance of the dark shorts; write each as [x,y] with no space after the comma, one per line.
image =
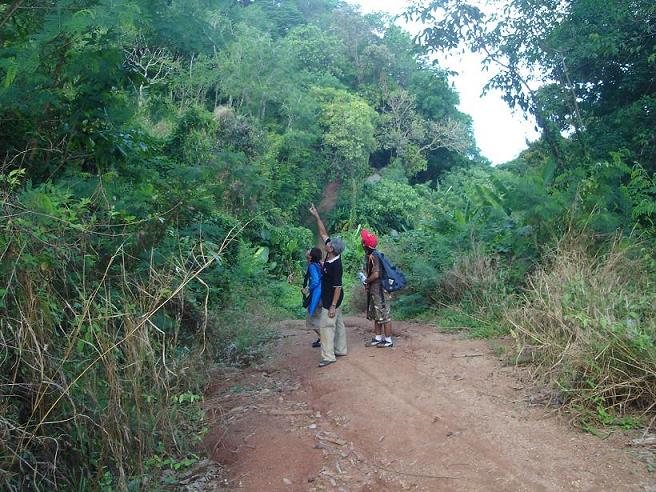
[313,322]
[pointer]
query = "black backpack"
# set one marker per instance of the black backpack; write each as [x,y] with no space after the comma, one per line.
[392,278]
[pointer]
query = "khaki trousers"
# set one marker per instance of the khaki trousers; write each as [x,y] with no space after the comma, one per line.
[333,335]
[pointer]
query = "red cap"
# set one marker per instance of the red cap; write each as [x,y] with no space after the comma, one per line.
[369,240]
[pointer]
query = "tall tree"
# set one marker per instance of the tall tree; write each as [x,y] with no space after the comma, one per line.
[595,56]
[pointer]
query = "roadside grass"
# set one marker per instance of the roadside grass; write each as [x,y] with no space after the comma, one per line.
[588,317]
[104,356]
[458,318]
[242,331]
[585,322]
[112,384]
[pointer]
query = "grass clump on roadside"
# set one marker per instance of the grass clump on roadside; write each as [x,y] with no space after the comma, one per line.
[460,318]
[588,319]
[585,317]
[242,330]
[473,295]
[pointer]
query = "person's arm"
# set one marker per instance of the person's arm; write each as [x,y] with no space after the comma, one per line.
[333,307]
[336,294]
[375,269]
[315,277]
[322,228]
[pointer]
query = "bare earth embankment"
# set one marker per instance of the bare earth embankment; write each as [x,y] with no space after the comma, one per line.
[437,412]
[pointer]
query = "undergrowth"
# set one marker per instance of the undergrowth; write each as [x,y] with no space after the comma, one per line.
[585,318]
[473,294]
[588,320]
[104,348]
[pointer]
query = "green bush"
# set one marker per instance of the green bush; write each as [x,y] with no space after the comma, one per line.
[423,257]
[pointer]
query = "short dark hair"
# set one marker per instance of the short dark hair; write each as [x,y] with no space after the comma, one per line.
[315,255]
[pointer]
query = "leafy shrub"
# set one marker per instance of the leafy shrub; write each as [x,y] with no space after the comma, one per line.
[195,136]
[389,205]
[423,257]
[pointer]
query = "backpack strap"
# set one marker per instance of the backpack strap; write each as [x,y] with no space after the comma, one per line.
[381,270]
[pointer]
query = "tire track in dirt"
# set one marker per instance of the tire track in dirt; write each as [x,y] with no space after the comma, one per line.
[437,412]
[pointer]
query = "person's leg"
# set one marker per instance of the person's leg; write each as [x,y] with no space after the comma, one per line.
[387,341]
[340,333]
[327,334]
[380,313]
[378,334]
[385,321]
[371,315]
[313,323]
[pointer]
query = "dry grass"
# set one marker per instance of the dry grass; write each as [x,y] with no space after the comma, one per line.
[86,374]
[474,276]
[589,320]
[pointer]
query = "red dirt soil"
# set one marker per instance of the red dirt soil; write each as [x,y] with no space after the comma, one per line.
[436,412]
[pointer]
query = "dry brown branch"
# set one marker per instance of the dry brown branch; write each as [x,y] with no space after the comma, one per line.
[10,12]
[449,134]
[188,278]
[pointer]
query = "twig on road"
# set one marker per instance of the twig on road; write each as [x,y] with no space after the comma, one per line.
[473,354]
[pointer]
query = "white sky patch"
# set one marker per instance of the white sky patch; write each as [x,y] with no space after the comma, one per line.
[500,133]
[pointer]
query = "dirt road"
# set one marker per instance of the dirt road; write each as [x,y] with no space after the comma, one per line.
[436,412]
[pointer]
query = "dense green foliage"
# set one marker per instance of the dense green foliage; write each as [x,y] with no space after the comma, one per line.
[159,157]
[158,161]
[592,63]
[533,244]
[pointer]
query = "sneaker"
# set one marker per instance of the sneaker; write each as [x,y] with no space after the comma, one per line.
[317,343]
[340,355]
[385,344]
[325,363]
[375,343]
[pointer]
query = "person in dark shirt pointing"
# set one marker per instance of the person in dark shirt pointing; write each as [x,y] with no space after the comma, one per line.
[331,325]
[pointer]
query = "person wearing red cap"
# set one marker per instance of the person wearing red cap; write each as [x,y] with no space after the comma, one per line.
[378,301]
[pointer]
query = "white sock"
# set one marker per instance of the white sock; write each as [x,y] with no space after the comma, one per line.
[378,338]
[388,339]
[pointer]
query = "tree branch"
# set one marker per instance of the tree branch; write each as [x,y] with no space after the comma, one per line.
[10,11]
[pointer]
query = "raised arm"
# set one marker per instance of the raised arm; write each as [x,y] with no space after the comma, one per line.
[322,228]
